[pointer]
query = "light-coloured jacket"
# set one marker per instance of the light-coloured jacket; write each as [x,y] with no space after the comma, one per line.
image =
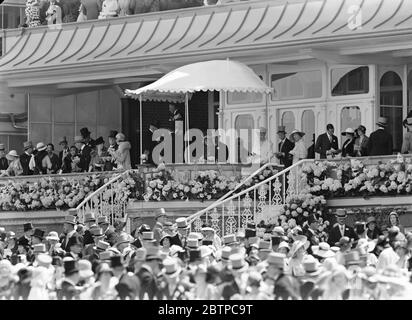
[122,156]
[407,143]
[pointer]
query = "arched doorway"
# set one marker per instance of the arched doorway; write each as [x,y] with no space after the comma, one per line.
[288,120]
[391,106]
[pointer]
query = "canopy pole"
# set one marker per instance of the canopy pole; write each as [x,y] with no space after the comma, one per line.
[141,132]
[187,125]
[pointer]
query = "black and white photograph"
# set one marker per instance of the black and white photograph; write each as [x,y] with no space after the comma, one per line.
[226,151]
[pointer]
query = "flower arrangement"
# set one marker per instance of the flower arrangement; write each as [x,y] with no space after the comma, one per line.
[354,178]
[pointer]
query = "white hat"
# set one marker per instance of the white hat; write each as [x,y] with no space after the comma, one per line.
[41,146]
[12,155]
[348,131]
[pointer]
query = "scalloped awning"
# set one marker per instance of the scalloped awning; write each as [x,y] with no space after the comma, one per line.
[226,75]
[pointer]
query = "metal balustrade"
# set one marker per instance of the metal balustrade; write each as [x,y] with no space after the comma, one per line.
[261,201]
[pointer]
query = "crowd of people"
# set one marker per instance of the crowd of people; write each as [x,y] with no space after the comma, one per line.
[43,12]
[86,155]
[96,260]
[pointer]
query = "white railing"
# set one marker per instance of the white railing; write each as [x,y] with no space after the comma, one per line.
[108,200]
[261,201]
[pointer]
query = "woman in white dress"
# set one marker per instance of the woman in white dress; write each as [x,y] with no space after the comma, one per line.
[299,152]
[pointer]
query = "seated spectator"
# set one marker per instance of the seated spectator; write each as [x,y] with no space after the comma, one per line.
[15,168]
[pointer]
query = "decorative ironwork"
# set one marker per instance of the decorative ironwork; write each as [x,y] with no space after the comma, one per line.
[277,196]
[198,224]
[215,220]
[230,220]
[247,212]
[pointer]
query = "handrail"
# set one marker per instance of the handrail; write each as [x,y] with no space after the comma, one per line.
[196,215]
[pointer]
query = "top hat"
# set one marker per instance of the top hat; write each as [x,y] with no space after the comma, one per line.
[27,226]
[76,240]
[62,140]
[182,223]
[2,147]
[192,243]
[41,146]
[102,220]
[140,254]
[237,263]
[70,266]
[341,213]
[102,245]
[226,252]
[348,131]
[116,261]
[96,231]
[70,219]
[89,217]
[152,253]
[230,239]
[382,122]
[195,255]
[171,267]
[161,213]
[148,236]
[85,132]
[98,141]
[39,248]
[113,134]
[38,233]
[250,233]
[27,145]
[281,129]
[78,139]
[276,259]
[265,245]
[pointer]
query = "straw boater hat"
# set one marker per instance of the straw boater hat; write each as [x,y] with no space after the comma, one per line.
[102,220]
[78,139]
[102,245]
[70,219]
[153,253]
[53,235]
[323,250]
[140,255]
[89,217]
[39,248]
[12,155]
[341,213]
[276,259]
[225,254]
[348,131]
[41,146]
[265,246]
[171,268]
[96,232]
[296,131]
[182,223]
[311,266]
[237,263]
[2,147]
[192,243]
[230,239]
[27,145]
[148,236]
[382,122]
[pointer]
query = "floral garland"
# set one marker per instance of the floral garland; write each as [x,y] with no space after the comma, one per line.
[354,178]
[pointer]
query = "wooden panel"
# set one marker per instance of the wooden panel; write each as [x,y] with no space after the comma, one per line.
[40,132]
[63,130]
[64,109]
[40,109]
[86,107]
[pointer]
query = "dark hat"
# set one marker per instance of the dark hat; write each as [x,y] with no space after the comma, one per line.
[164,237]
[57,261]
[312,218]
[84,132]
[370,220]
[27,145]
[144,228]
[2,147]
[281,129]
[382,122]
[195,255]
[113,134]
[116,261]
[251,225]
[96,231]
[98,141]
[27,226]
[249,233]
[76,240]
[38,233]
[70,266]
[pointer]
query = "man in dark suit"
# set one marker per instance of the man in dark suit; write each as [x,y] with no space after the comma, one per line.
[4,164]
[340,229]
[108,230]
[28,230]
[158,227]
[65,150]
[285,146]
[68,289]
[69,231]
[147,274]
[88,141]
[129,284]
[311,232]
[25,158]
[84,152]
[380,141]
[327,143]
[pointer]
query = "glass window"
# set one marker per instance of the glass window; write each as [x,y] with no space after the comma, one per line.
[296,85]
[288,120]
[244,121]
[244,97]
[347,81]
[308,127]
[350,117]
[11,17]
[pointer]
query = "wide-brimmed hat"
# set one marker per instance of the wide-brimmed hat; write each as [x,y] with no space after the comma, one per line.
[296,131]
[370,220]
[70,219]
[299,242]
[237,263]
[369,246]
[168,236]
[27,226]
[323,250]
[344,241]
[281,129]
[89,217]
[171,267]
[41,146]
[284,244]
[348,131]
[85,268]
[230,239]
[182,223]
[39,248]
[38,233]
[392,274]
[12,155]
[70,266]
[341,213]
[53,235]
[382,121]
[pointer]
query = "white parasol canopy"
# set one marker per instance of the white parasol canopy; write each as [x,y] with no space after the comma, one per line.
[226,75]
